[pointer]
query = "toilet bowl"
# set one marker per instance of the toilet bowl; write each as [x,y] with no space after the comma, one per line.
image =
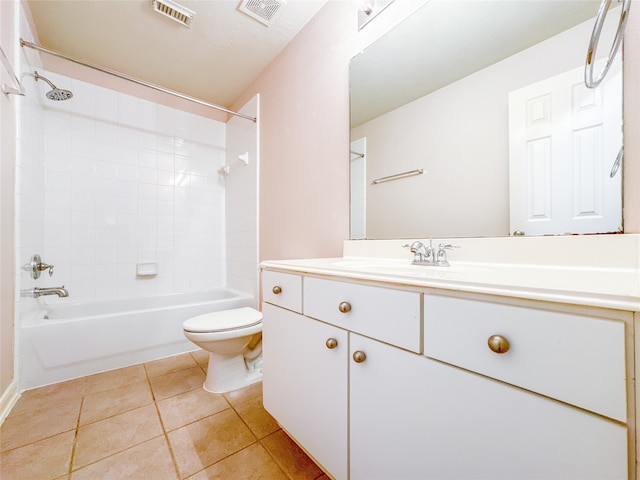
[234,342]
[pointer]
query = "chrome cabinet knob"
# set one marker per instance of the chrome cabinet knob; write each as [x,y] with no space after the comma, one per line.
[331,343]
[344,307]
[276,290]
[498,344]
[359,356]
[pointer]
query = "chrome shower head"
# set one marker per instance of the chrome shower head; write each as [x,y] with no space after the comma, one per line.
[57,94]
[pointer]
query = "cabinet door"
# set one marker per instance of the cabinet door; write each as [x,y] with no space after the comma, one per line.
[305,384]
[416,418]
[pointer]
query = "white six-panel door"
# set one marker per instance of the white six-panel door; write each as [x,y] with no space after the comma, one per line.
[563,141]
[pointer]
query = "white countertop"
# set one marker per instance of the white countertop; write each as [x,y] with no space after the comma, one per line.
[608,287]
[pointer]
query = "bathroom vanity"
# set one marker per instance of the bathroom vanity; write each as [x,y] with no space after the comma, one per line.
[384,370]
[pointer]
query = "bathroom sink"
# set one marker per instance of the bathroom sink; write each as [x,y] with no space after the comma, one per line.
[404,267]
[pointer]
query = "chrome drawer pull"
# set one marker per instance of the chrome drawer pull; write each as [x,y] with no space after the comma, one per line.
[276,290]
[331,343]
[359,356]
[344,307]
[498,344]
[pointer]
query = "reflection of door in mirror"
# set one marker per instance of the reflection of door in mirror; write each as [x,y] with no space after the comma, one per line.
[563,140]
[358,188]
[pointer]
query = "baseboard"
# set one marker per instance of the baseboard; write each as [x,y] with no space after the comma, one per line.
[8,400]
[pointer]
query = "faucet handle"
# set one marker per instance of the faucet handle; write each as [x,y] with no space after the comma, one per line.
[43,266]
[441,256]
[35,266]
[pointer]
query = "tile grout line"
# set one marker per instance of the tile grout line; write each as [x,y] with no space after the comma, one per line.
[259,440]
[75,437]
[137,444]
[230,406]
[164,430]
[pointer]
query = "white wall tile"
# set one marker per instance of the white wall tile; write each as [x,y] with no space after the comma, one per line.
[56,143]
[127,110]
[147,238]
[106,170]
[123,180]
[106,105]
[128,172]
[83,148]
[147,116]
[128,137]
[165,120]
[83,129]
[148,140]
[106,133]
[127,155]
[56,162]
[84,99]
[166,178]
[147,175]
[107,152]
[148,159]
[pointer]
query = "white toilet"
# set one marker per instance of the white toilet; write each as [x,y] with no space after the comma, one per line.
[234,342]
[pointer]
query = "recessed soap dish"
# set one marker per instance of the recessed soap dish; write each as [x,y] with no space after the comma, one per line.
[146,269]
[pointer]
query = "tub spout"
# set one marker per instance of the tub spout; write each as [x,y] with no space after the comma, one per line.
[37,292]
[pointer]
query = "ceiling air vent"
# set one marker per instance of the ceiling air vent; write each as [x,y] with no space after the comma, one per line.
[265,11]
[176,12]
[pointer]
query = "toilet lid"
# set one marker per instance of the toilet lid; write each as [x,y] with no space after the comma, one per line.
[223,320]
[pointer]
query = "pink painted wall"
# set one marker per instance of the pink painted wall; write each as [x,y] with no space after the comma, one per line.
[304,140]
[7,196]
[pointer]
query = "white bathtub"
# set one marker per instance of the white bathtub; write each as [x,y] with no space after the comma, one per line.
[69,340]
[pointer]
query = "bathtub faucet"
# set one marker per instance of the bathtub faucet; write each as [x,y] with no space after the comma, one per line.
[37,292]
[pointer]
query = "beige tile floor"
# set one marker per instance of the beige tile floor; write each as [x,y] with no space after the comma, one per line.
[151,421]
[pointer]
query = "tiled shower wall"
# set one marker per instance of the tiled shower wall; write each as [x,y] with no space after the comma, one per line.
[30,176]
[128,182]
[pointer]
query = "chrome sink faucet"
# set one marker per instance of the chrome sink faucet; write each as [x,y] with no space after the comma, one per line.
[427,255]
[38,292]
[422,254]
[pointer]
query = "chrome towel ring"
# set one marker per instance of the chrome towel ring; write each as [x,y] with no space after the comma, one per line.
[589,81]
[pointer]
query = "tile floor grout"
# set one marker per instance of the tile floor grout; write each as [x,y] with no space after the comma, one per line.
[286,462]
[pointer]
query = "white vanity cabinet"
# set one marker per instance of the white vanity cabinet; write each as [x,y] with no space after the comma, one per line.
[411,417]
[305,386]
[355,386]
[305,367]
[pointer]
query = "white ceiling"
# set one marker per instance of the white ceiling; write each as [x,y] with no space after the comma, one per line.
[215,60]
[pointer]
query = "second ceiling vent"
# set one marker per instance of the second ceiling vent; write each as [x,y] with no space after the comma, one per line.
[265,11]
[174,11]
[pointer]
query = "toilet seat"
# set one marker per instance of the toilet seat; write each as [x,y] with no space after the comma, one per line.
[223,321]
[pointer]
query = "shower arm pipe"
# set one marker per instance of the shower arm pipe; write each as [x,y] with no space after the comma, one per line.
[40,48]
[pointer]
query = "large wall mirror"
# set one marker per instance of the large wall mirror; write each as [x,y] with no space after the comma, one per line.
[471,118]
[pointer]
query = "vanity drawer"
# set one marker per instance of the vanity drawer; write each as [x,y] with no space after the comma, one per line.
[574,358]
[282,289]
[392,316]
